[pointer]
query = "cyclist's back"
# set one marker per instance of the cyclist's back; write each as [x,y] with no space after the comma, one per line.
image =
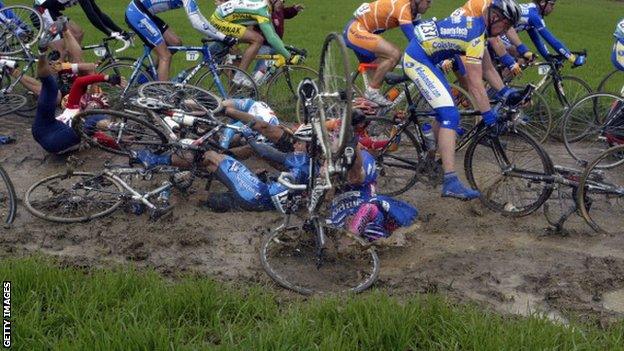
[381,15]
[473,8]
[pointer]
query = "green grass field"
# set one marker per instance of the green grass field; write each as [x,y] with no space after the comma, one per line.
[120,309]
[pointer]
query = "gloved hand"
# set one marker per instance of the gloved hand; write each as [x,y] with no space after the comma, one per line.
[578,61]
[114,79]
[511,64]
[489,117]
[446,66]
[295,59]
[509,96]
[229,41]
[525,53]
[246,132]
[126,35]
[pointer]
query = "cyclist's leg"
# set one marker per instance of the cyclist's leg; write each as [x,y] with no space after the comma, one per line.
[272,132]
[490,74]
[72,46]
[245,35]
[76,31]
[148,28]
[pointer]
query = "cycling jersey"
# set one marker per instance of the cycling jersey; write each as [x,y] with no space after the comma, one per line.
[437,41]
[617,54]
[233,17]
[141,17]
[371,19]
[50,10]
[532,22]
[258,109]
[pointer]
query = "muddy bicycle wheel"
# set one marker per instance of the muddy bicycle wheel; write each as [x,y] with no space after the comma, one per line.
[118,132]
[512,172]
[73,197]
[20,29]
[118,95]
[601,192]
[224,86]
[348,263]
[10,103]
[8,200]
[186,97]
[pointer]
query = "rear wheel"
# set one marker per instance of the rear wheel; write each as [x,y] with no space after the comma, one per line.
[512,172]
[347,264]
[8,200]
[183,96]
[20,29]
[119,96]
[612,83]
[225,87]
[574,89]
[73,197]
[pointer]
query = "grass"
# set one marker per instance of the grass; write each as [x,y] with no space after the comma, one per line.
[124,309]
[578,23]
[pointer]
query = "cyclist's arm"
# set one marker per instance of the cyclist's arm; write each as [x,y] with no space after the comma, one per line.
[406,22]
[513,37]
[199,22]
[267,151]
[498,46]
[98,19]
[290,12]
[537,41]
[539,25]
[474,79]
[408,31]
[79,87]
[273,39]
[356,175]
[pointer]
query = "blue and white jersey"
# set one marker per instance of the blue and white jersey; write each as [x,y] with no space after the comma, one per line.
[617,54]
[158,6]
[258,109]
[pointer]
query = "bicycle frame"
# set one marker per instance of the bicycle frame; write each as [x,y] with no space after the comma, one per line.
[30,61]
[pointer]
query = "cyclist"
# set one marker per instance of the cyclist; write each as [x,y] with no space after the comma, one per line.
[361,34]
[54,133]
[532,21]
[234,18]
[617,54]
[155,33]
[258,109]
[436,41]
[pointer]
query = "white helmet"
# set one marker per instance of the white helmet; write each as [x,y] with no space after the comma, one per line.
[619,30]
[304,132]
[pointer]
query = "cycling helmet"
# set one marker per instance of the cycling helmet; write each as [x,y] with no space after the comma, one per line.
[619,30]
[545,3]
[304,132]
[509,9]
[93,100]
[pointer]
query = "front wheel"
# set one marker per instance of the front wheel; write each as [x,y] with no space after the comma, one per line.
[225,86]
[10,103]
[573,89]
[347,264]
[73,197]
[187,97]
[282,94]
[8,200]
[512,172]
[118,95]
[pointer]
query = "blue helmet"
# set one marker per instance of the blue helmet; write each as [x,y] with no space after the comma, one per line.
[619,30]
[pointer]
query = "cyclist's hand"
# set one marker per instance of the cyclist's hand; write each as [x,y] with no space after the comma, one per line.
[229,41]
[299,7]
[446,66]
[511,64]
[114,79]
[126,35]
[490,117]
[515,69]
[295,59]
[578,61]
[247,132]
[529,56]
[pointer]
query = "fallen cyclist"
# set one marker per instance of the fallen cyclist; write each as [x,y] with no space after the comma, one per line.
[354,207]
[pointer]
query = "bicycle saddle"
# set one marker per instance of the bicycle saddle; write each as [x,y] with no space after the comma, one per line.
[392,78]
[307,90]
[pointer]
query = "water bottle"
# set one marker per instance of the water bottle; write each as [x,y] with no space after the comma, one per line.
[257,77]
[430,140]
[183,119]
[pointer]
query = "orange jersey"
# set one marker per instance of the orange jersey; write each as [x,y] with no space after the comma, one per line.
[380,15]
[473,8]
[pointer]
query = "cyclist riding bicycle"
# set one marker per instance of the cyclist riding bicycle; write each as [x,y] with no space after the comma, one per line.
[235,17]
[617,54]
[532,21]
[361,35]
[436,41]
[155,33]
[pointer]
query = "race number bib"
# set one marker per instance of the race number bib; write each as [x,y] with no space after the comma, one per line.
[227,8]
[192,55]
[426,31]
[543,70]
[362,10]
[99,52]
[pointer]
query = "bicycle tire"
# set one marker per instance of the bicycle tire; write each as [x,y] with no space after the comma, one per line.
[281,90]
[536,119]
[593,185]
[335,92]
[177,94]
[70,199]
[226,75]
[117,98]
[612,83]
[389,165]
[299,262]
[585,134]
[22,17]
[7,195]
[512,141]
[128,126]
[556,107]
[10,103]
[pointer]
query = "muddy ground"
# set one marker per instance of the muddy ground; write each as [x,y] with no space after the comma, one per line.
[462,249]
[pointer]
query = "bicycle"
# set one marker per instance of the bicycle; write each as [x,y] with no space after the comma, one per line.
[106,55]
[612,83]
[211,76]
[315,258]
[8,199]
[592,125]
[20,30]
[280,81]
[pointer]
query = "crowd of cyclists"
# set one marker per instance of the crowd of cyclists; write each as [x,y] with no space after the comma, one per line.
[469,42]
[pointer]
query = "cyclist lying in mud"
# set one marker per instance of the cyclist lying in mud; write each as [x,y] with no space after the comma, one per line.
[354,206]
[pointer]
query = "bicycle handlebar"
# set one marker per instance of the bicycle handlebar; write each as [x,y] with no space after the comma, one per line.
[294,50]
[286,178]
[126,44]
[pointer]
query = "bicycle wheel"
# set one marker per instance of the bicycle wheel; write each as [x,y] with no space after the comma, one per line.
[116,96]
[225,74]
[398,165]
[335,92]
[118,132]
[601,192]
[281,92]
[289,256]
[612,83]
[10,103]
[184,96]
[512,172]
[536,119]
[592,125]
[574,88]
[74,197]
[20,29]
[8,200]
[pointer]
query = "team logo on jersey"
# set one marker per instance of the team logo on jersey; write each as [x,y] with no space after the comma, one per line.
[454,31]
[234,167]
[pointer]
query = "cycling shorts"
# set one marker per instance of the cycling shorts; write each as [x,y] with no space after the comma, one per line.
[228,28]
[617,55]
[361,41]
[148,27]
[250,192]
[432,84]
